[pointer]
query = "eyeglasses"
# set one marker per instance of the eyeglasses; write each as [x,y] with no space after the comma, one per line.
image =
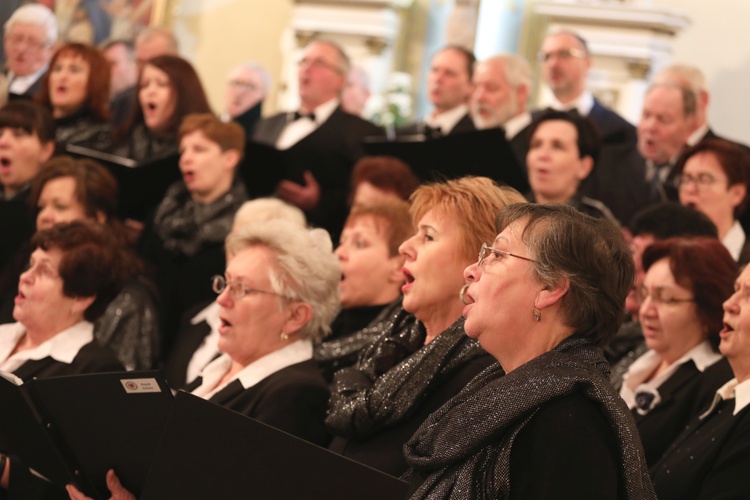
[32,43]
[563,54]
[701,180]
[661,296]
[320,63]
[237,290]
[240,85]
[490,254]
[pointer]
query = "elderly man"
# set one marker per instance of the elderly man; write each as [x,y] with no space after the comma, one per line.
[449,88]
[356,92]
[501,89]
[29,41]
[669,118]
[154,42]
[247,86]
[618,180]
[320,138]
[121,56]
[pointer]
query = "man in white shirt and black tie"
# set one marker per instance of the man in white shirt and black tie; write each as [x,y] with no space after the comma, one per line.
[320,138]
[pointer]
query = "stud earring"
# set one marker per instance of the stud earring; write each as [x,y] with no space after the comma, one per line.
[284,336]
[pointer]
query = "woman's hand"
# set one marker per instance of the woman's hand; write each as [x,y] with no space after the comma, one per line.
[115,488]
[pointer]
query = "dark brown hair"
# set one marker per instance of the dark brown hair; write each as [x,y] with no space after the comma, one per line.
[92,263]
[96,188]
[29,116]
[97,86]
[386,173]
[733,159]
[705,267]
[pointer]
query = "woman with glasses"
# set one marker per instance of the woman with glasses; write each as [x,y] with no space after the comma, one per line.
[421,356]
[279,293]
[713,178]
[544,422]
[681,316]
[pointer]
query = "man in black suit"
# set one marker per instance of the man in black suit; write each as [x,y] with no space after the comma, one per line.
[502,84]
[124,78]
[669,118]
[29,41]
[320,138]
[618,179]
[449,88]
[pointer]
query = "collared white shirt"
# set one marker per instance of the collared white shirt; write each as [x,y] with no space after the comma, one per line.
[63,347]
[516,124]
[634,380]
[584,104]
[697,135]
[734,240]
[447,120]
[20,84]
[209,348]
[296,352]
[296,130]
[732,389]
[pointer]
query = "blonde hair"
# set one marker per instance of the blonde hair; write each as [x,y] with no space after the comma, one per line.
[472,201]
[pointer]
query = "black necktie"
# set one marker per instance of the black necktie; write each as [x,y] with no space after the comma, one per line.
[432,132]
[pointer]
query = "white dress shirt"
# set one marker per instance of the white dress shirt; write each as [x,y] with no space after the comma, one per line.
[209,348]
[447,120]
[63,347]
[584,104]
[734,240]
[296,130]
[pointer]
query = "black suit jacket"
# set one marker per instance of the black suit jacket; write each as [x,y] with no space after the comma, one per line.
[329,152]
[709,460]
[683,396]
[465,124]
[293,399]
[30,93]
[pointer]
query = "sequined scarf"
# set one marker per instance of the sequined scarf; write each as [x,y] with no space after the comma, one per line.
[464,447]
[394,375]
[185,226]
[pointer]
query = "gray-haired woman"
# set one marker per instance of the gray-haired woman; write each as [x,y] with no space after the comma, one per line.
[542,296]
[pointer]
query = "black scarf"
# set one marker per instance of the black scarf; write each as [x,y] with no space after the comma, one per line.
[394,375]
[185,226]
[464,448]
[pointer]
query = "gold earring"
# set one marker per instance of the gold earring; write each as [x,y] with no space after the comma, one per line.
[537,314]
[284,336]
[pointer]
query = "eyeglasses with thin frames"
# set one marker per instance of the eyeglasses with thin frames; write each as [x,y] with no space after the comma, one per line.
[702,180]
[660,296]
[563,54]
[237,290]
[490,254]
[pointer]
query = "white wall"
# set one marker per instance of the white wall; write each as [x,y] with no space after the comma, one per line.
[718,42]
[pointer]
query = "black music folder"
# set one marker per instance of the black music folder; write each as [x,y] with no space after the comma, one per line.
[484,153]
[264,166]
[142,185]
[210,452]
[74,429]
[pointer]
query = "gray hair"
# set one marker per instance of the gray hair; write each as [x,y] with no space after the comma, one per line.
[306,268]
[267,209]
[345,63]
[156,32]
[689,97]
[265,76]
[38,15]
[589,253]
[517,69]
[684,75]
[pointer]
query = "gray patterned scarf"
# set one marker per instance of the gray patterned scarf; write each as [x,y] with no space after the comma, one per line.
[394,374]
[185,226]
[464,447]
